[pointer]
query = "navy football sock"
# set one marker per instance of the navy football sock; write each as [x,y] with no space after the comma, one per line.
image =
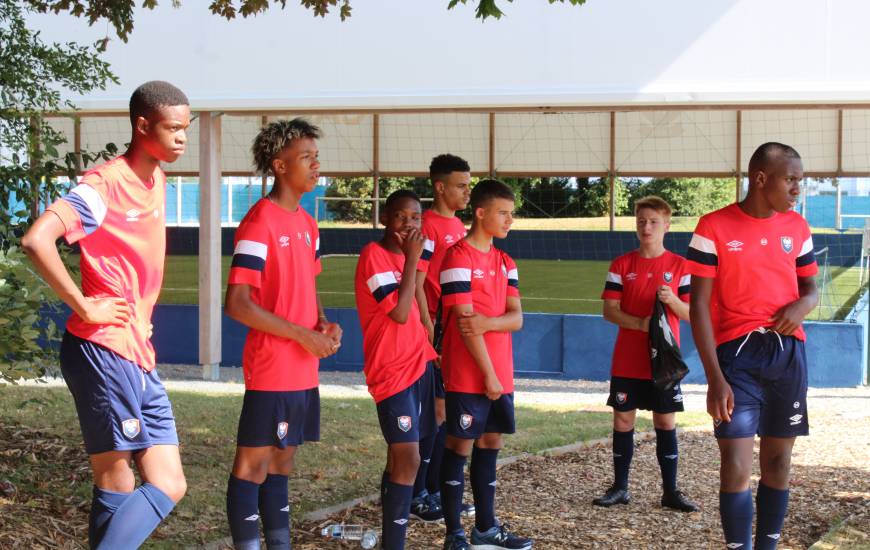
[243,513]
[623,450]
[667,455]
[136,518]
[385,478]
[483,483]
[396,505]
[452,487]
[433,477]
[275,512]
[772,505]
[735,510]
[103,506]
[426,446]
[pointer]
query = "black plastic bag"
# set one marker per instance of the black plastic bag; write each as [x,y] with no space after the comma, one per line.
[668,367]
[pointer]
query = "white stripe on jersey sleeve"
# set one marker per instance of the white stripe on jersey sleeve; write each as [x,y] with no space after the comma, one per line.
[251,248]
[685,280]
[429,244]
[807,247]
[93,200]
[378,280]
[703,244]
[614,278]
[457,274]
[317,244]
[513,274]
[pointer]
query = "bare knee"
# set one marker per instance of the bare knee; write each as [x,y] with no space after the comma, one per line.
[623,421]
[462,447]
[404,462]
[735,469]
[175,487]
[666,421]
[776,470]
[490,440]
[251,466]
[112,471]
[440,411]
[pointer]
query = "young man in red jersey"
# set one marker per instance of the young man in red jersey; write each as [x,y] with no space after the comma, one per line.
[116,215]
[752,266]
[481,300]
[272,290]
[634,281]
[397,352]
[451,185]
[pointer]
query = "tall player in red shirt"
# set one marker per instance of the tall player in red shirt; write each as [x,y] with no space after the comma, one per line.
[481,300]
[451,186]
[271,289]
[752,266]
[116,214]
[634,281]
[396,354]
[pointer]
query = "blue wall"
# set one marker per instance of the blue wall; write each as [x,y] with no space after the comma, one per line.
[556,346]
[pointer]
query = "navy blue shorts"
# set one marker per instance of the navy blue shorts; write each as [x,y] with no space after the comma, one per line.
[437,380]
[279,418]
[628,394]
[769,380]
[120,406]
[470,415]
[409,416]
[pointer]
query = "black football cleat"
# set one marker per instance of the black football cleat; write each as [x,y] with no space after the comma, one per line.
[613,496]
[678,501]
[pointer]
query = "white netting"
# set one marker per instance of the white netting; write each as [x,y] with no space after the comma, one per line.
[812,132]
[856,140]
[552,142]
[347,142]
[409,141]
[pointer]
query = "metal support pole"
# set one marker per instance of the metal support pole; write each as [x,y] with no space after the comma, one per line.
[210,245]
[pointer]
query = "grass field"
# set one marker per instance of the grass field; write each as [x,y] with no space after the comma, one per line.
[548,286]
[41,454]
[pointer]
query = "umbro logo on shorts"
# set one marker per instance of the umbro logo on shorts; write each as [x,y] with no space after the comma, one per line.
[131,428]
[795,419]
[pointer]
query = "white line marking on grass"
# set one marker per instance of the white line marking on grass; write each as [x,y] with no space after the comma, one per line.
[346,293]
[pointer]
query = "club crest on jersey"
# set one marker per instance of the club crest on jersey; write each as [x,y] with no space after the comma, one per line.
[131,428]
[621,396]
[787,244]
[307,239]
[465,421]
[404,423]
[668,276]
[282,430]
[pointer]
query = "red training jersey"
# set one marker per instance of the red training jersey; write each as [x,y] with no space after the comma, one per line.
[440,233]
[485,280]
[395,353]
[120,224]
[634,280]
[277,253]
[755,262]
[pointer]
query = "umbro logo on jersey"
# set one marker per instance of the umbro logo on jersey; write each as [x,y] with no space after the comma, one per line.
[631,276]
[284,240]
[478,273]
[795,419]
[132,215]
[282,430]
[448,239]
[734,246]
[404,423]
[763,242]
[787,244]
[252,517]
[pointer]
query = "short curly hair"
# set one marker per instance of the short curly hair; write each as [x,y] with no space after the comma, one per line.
[275,137]
[152,95]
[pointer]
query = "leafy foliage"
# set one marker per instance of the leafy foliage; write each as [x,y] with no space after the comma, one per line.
[687,196]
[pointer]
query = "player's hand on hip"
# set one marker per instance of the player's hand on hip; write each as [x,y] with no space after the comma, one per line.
[720,401]
[788,319]
[106,311]
[412,243]
[493,386]
[319,344]
[666,295]
[471,323]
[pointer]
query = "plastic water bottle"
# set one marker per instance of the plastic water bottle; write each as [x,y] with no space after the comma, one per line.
[339,531]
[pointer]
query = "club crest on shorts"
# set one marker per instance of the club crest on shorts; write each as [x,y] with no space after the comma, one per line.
[131,428]
[404,423]
[668,276]
[282,430]
[465,421]
[621,396]
[787,244]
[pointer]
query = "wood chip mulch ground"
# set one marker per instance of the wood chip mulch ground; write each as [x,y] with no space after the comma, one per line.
[549,498]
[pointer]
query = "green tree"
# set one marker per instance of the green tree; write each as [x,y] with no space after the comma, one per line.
[594,197]
[688,196]
[32,73]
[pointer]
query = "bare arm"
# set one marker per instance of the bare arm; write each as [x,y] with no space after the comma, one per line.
[720,397]
[39,243]
[477,348]
[615,315]
[789,318]
[473,323]
[240,307]
[333,330]
[412,246]
[423,305]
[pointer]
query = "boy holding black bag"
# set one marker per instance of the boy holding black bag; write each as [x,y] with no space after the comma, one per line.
[634,281]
